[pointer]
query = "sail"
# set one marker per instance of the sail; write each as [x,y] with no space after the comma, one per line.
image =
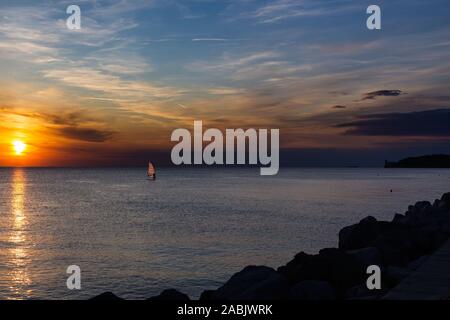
[151,170]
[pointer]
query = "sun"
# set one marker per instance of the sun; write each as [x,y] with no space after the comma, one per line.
[19,147]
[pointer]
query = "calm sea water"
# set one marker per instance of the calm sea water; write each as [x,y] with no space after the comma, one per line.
[191,229]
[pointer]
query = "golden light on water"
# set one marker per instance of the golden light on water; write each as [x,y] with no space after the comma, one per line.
[19,279]
[19,147]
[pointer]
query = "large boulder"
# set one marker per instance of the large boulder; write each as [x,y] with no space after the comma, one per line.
[394,250]
[207,295]
[424,214]
[443,204]
[335,266]
[420,231]
[275,287]
[170,295]
[361,292]
[345,270]
[367,256]
[252,283]
[414,265]
[312,290]
[106,296]
[445,228]
[359,235]
[399,219]
[394,275]
[294,267]
[420,208]
[427,239]
[419,214]
[445,201]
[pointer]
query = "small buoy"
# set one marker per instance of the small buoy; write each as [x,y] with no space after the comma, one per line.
[391,190]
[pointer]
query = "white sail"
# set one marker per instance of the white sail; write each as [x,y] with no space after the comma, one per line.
[151,170]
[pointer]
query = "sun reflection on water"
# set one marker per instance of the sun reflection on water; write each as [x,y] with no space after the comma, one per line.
[19,279]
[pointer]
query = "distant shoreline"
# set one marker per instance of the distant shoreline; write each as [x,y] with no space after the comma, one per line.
[437,161]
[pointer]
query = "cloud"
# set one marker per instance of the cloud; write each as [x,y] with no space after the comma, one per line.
[40,29]
[251,66]
[85,134]
[119,7]
[182,106]
[279,10]
[430,123]
[122,62]
[75,125]
[115,86]
[225,91]
[230,62]
[209,39]
[381,93]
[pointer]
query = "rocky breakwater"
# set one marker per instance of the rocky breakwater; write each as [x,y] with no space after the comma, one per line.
[398,247]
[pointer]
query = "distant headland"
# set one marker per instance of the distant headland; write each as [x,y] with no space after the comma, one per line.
[428,161]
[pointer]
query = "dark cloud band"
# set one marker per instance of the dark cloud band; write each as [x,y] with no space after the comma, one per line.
[381,93]
[421,123]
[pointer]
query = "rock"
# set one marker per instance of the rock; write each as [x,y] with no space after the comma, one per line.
[331,265]
[207,295]
[345,270]
[398,218]
[170,295]
[408,237]
[394,275]
[394,250]
[423,238]
[412,266]
[106,296]
[361,292]
[292,269]
[275,287]
[446,197]
[445,228]
[359,235]
[440,236]
[312,290]
[253,282]
[422,205]
[436,203]
[444,203]
[367,256]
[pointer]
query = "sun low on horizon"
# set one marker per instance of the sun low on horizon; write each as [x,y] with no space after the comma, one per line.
[19,147]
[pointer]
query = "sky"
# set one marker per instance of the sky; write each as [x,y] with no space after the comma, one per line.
[113,92]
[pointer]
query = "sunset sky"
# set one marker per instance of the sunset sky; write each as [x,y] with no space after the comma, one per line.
[112,93]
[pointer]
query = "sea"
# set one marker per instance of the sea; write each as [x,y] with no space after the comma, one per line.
[190,229]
